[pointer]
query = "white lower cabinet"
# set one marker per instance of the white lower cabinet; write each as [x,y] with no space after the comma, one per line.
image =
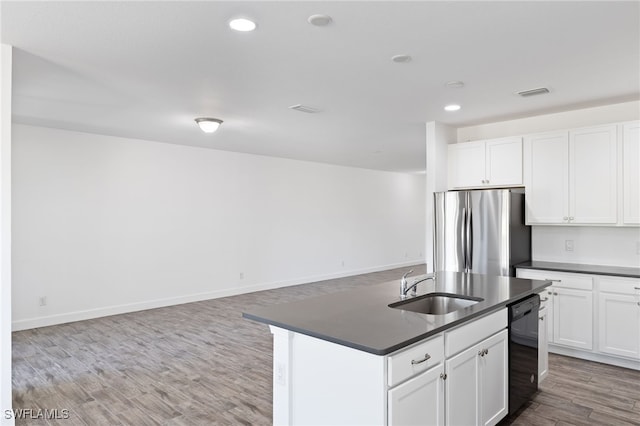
[543,344]
[619,313]
[570,307]
[573,317]
[419,401]
[477,383]
[595,317]
[458,377]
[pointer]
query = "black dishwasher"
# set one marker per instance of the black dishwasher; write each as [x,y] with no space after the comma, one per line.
[523,351]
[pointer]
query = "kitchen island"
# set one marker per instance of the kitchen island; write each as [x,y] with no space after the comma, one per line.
[349,358]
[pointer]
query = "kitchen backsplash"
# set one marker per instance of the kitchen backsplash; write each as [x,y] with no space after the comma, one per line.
[587,245]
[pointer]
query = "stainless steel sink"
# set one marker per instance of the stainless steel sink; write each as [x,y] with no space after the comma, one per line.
[436,303]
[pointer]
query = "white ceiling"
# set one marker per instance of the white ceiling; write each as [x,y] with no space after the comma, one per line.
[147,69]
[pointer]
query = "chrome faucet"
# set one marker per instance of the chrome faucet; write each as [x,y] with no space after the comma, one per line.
[403,286]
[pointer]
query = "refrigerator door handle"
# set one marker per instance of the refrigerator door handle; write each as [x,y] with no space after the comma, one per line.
[469,242]
[465,235]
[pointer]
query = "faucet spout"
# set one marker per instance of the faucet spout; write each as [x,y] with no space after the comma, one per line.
[403,285]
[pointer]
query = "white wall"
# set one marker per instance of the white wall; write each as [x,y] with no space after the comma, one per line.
[105,225]
[5,233]
[438,136]
[596,245]
[592,245]
[626,111]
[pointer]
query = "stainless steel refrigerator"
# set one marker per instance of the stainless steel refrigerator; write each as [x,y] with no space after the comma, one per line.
[481,231]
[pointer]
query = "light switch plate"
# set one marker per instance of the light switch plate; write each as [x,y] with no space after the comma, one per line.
[568,245]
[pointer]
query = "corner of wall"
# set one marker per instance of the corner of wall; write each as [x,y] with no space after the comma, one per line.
[5,232]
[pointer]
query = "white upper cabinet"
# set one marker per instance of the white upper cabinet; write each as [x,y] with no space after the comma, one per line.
[546,178]
[492,163]
[631,174]
[571,177]
[592,175]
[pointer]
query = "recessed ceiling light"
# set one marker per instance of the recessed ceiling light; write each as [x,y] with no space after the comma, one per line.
[401,58]
[320,20]
[242,24]
[208,125]
[452,107]
[455,84]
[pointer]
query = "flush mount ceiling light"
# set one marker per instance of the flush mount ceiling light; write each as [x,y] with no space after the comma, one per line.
[208,125]
[319,20]
[242,24]
[452,107]
[401,58]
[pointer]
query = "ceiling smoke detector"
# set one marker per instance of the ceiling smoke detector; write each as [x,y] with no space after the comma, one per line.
[304,108]
[320,20]
[533,92]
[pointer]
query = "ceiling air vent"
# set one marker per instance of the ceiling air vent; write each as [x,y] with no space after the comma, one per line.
[533,92]
[304,108]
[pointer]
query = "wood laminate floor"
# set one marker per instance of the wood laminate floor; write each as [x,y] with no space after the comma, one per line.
[203,364]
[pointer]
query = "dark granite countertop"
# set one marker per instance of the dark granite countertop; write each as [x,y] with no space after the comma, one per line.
[615,271]
[361,319]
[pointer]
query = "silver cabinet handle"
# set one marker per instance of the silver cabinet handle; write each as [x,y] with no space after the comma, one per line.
[483,352]
[541,318]
[426,357]
[544,300]
[555,294]
[553,281]
[636,288]
[443,376]
[486,351]
[570,217]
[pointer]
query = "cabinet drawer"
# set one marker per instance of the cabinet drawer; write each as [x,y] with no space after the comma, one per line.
[620,285]
[469,334]
[560,279]
[409,362]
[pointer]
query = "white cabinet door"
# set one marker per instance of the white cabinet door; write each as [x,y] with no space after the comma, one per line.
[503,162]
[631,174]
[619,324]
[593,175]
[548,303]
[466,165]
[477,383]
[573,318]
[546,178]
[543,345]
[419,401]
[493,381]
[462,405]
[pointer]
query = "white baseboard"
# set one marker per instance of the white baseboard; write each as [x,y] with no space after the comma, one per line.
[29,323]
[590,356]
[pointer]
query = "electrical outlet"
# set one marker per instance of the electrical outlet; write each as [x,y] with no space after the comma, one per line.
[43,300]
[568,245]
